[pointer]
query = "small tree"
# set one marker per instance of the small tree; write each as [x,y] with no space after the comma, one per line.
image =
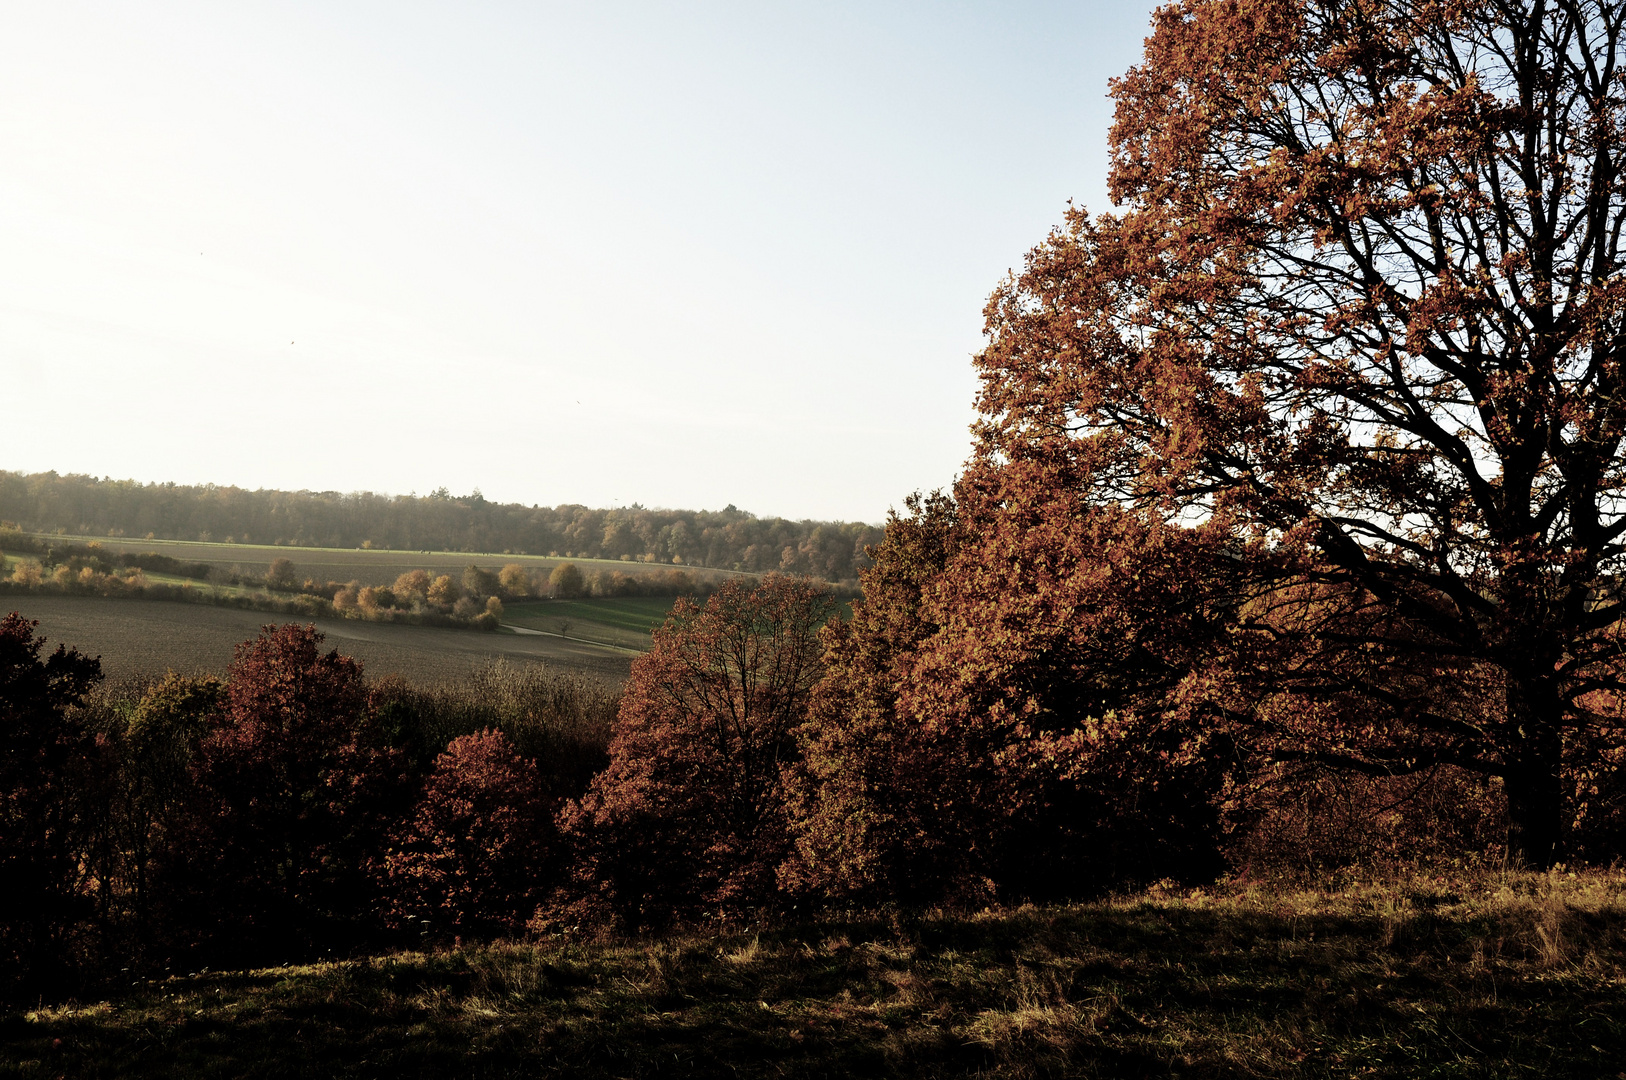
[146,798]
[471,856]
[480,582]
[567,581]
[444,592]
[295,798]
[690,813]
[281,574]
[375,598]
[868,809]
[412,587]
[515,581]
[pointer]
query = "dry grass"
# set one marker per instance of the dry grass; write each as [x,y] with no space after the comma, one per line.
[1488,976]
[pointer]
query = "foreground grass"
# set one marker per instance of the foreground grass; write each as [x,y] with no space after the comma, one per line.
[1521,975]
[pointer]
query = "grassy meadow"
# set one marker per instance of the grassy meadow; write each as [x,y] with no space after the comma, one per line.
[622,622]
[1490,975]
[368,566]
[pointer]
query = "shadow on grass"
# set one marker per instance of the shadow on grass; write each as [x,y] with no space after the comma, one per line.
[1380,983]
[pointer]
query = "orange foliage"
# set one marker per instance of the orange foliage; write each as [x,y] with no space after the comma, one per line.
[1340,321]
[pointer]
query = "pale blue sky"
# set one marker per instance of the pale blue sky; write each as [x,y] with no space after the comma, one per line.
[684,255]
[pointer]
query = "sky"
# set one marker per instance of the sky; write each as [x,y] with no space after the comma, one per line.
[684,255]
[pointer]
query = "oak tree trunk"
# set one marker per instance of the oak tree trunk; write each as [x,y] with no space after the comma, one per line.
[1532,777]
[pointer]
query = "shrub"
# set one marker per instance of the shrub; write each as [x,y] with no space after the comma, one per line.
[444,592]
[1304,820]
[515,581]
[412,587]
[478,581]
[347,599]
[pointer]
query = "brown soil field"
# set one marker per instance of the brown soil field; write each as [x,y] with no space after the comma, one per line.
[137,637]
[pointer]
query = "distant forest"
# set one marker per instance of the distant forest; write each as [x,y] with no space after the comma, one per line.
[728,539]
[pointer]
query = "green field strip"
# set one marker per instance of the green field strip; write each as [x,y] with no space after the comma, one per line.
[620,650]
[407,558]
[637,614]
[623,623]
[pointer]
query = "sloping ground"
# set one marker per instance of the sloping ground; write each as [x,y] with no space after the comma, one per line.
[346,564]
[625,622]
[1503,976]
[137,637]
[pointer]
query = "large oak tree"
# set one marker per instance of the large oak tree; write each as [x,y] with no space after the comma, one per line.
[1360,312]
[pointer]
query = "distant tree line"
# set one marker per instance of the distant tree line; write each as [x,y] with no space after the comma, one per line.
[727,539]
[288,809]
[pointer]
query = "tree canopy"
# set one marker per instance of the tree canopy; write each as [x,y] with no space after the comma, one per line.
[1358,325]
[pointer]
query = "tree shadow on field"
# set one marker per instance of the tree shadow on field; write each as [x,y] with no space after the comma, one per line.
[1146,989]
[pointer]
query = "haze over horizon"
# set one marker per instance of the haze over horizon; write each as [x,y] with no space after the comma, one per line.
[562,254]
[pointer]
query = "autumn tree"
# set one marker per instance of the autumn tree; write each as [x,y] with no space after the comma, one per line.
[567,581]
[41,747]
[296,797]
[1001,715]
[412,587]
[471,856]
[281,574]
[443,591]
[1362,313]
[690,814]
[515,581]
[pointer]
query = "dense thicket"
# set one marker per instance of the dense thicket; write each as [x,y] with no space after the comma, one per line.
[286,810]
[722,539]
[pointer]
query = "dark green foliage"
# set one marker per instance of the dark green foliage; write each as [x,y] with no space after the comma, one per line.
[480,582]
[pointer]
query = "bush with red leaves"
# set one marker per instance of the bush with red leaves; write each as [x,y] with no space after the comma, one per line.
[294,799]
[689,817]
[471,857]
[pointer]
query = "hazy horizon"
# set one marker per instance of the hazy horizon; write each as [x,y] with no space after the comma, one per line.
[562,254]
